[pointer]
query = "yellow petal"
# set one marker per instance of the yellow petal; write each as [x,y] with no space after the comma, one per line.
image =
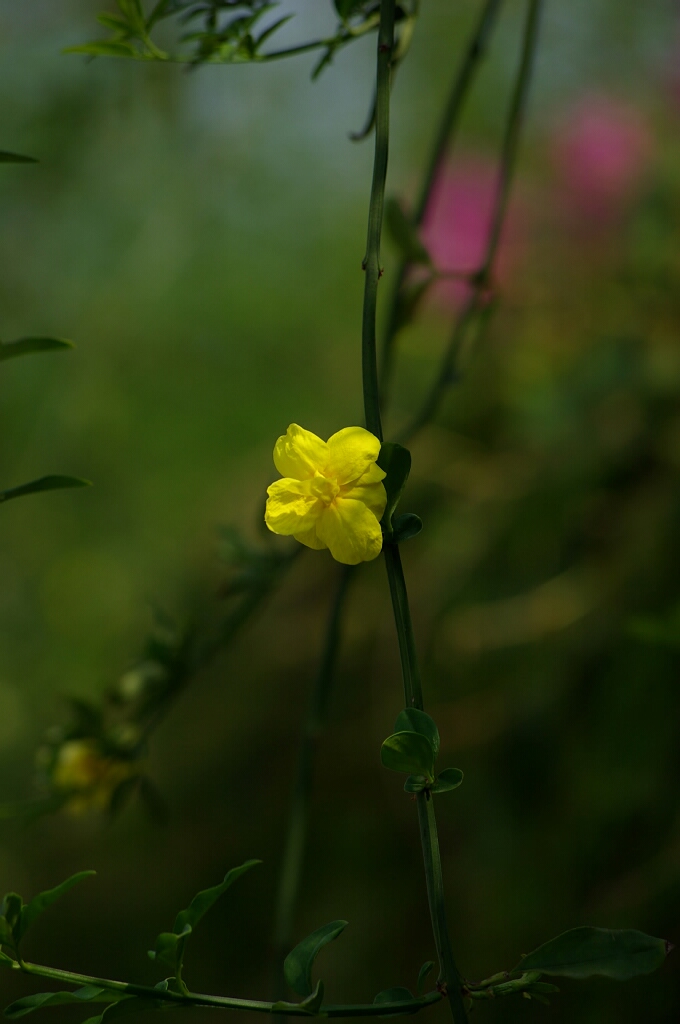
[351,450]
[291,506]
[310,539]
[373,495]
[299,453]
[350,530]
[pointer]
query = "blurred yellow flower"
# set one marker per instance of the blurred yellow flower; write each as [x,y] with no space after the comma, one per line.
[89,776]
[331,495]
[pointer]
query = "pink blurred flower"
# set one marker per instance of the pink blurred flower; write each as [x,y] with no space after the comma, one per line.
[457,223]
[602,150]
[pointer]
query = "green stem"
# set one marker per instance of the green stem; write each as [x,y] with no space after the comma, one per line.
[449,975]
[449,121]
[478,298]
[122,988]
[371,262]
[296,837]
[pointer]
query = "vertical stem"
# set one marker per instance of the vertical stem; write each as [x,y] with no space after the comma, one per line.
[371,264]
[296,836]
[460,86]
[412,688]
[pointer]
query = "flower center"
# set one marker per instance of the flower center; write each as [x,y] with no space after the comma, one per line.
[324,488]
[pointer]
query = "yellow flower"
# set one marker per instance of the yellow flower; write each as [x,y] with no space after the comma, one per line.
[91,778]
[331,495]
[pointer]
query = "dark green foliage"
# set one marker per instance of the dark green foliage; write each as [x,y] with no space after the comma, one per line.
[300,961]
[584,952]
[45,483]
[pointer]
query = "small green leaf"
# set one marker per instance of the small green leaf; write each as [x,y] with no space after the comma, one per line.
[405,527]
[45,899]
[11,911]
[45,483]
[24,346]
[5,961]
[583,952]
[395,460]
[394,995]
[169,948]
[204,900]
[414,720]
[409,752]
[404,234]
[423,973]
[114,22]
[28,1004]
[15,158]
[450,778]
[297,966]
[416,784]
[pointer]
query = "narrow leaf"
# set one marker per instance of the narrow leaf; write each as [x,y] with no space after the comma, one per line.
[24,346]
[418,721]
[416,784]
[405,527]
[45,899]
[28,1004]
[297,966]
[583,952]
[409,752]
[204,900]
[15,158]
[45,483]
[5,961]
[394,995]
[395,460]
[423,973]
[450,778]
[404,234]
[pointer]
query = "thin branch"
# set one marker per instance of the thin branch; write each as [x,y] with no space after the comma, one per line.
[478,299]
[448,124]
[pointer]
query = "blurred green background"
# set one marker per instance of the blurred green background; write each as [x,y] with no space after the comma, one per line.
[199,236]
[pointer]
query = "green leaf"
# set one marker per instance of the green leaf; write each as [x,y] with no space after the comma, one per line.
[406,526]
[414,720]
[45,483]
[395,460]
[583,952]
[11,910]
[5,961]
[105,48]
[423,973]
[114,22]
[404,234]
[450,778]
[28,1004]
[416,784]
[297,966]
[6,936]
[409,752]
[45,899]
[394,995]
[24,346]
[169,948]
[204,900]
[15,158]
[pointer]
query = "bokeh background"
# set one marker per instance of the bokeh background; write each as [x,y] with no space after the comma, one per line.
[199,236]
